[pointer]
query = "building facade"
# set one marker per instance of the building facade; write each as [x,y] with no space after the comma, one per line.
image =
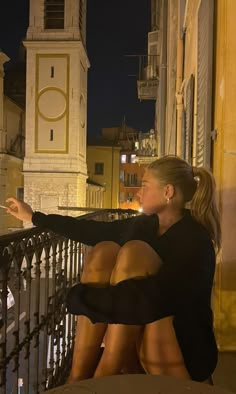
[131,174]
[103,161]
[198,92]
[12,119]
[131,143]
[55,169]
[204,128]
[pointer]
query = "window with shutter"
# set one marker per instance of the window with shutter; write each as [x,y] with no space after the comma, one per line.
[204,83]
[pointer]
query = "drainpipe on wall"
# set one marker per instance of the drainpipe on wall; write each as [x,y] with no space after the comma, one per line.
[162,94]
[179,93]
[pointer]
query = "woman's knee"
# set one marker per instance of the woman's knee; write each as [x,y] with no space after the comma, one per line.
[135,259]
[100,262]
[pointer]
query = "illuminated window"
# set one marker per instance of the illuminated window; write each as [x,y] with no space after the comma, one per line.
[54,13]
[99,169]
[123,159]
[133,159]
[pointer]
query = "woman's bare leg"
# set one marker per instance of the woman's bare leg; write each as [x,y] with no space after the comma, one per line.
[135,259]
[97,269]
[131,364]
[159,352]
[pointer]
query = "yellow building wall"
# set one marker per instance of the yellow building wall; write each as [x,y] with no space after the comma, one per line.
[224,153]
[110,156]
[225,171]
[13,180]
[10,166]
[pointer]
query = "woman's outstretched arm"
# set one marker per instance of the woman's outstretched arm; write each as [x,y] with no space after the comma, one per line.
[89,232]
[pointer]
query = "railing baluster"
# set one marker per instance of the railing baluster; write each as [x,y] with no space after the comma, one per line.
[52,320]
[63,288]
[45,280]
[69,276]
[3,330]
[16,332]
[37,286]
[27,276]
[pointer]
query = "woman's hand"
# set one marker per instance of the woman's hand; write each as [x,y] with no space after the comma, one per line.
[20,209]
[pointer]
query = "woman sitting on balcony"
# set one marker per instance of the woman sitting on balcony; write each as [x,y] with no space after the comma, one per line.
[146,285]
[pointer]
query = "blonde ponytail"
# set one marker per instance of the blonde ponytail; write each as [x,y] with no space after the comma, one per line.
[203,204]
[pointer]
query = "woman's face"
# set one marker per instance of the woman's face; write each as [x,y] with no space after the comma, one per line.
[152,194]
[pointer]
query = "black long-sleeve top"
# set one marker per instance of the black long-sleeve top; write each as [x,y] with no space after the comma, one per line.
[181,288]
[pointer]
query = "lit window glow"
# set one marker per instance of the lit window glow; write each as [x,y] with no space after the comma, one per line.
[123,158]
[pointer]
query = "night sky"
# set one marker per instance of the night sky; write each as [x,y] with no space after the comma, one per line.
[115,29]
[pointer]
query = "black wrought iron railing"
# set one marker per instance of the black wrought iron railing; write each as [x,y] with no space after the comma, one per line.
[36,333]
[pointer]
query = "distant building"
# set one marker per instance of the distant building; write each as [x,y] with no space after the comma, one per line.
[128,181]
[12,134]
[131,171]
[103,160]
[15,78]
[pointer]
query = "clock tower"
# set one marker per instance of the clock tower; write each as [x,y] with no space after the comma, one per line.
[55,169]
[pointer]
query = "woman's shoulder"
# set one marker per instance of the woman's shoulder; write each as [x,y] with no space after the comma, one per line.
[191,232]
[189,222]
[189,240]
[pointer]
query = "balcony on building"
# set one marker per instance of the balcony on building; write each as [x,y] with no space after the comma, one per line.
[147,83]
[148,79]
[146,147]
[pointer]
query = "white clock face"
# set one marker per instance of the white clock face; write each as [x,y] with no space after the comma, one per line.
[52,103]
[82,111]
